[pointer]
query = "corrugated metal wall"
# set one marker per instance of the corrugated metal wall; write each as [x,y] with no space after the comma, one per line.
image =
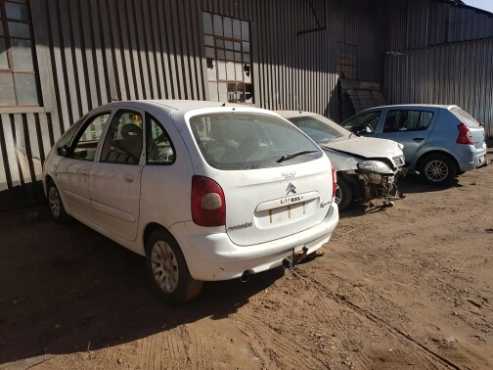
[415,24]
[460,73]
[93,51]
[442,54]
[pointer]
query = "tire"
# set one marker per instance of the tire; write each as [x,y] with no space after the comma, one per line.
[168,269]
[344,194]
[438,169]
[55,204]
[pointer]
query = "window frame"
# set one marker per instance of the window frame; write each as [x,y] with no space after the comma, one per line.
[147,131]
[11,69]
[81,131]
[243,52]
[115,114]
[421,111]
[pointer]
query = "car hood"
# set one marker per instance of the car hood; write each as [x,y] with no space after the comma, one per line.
[366,147]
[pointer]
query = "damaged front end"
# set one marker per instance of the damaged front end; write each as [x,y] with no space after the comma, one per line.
[379,179]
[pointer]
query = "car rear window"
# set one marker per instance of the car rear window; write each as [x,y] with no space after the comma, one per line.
[239,141]
[465,117]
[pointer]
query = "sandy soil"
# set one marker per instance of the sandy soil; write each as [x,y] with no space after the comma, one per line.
[404,288]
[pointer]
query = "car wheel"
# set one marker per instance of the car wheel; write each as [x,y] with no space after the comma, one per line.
[168,269]
[438,169]
[344,194]
[55,204]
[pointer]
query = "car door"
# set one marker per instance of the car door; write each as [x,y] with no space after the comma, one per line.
[115,179]
[72,173]
[408,126]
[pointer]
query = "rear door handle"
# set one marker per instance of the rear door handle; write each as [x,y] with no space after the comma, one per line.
[418,139]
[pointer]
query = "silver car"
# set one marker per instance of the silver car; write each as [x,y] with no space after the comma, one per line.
[367,168]
[440,142]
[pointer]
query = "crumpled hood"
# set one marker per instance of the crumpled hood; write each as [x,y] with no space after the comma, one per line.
[366,147]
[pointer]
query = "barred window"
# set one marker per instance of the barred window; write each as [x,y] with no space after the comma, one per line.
[227,49]
[18,86]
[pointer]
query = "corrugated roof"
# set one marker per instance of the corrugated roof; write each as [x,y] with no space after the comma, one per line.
[462,4]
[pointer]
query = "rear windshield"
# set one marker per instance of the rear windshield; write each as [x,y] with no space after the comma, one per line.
[239,141]
[465,117]
[319,129]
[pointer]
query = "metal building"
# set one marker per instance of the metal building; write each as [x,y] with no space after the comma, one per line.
[61,58]
[441,52]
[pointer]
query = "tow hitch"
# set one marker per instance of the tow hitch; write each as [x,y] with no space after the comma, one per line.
[295,259]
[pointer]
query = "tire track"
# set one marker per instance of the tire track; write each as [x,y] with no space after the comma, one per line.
[377,320]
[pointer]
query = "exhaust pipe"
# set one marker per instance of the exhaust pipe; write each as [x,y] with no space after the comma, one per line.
[245,277]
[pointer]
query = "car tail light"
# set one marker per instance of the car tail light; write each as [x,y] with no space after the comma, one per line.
[464,135]
[208,203]
[334,182]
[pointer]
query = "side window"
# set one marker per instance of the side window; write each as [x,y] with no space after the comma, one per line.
[160,150]
[85,146]
[407,120]
[124,141]
[364,123]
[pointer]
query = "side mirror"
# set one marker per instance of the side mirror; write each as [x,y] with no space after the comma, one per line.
[63,151]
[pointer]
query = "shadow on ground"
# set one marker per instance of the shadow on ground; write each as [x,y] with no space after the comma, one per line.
[415,184]
[66,288]
[411,184]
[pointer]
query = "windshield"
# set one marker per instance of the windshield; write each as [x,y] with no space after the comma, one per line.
[320,129]
[363,123]
[239,141]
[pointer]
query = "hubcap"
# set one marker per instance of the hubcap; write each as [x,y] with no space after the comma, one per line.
[164,266]
[54,202]
[436,170]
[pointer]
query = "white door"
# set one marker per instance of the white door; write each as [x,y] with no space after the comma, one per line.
[115,179]
[74,169]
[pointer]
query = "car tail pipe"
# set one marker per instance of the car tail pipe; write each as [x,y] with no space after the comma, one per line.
[245,277]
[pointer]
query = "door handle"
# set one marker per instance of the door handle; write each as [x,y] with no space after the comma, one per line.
[128,179]
[418,139]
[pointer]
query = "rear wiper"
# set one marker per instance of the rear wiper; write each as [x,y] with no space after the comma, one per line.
[288,157]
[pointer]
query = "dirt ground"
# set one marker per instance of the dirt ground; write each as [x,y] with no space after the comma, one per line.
[404,288]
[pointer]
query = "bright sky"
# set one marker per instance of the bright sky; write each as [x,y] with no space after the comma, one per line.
[482,4]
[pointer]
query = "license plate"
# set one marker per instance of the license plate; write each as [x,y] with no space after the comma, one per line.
[284,214]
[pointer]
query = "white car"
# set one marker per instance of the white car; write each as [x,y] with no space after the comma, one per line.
[205,191]
[367,168]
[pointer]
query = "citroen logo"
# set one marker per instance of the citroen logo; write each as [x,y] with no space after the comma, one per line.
[291,189]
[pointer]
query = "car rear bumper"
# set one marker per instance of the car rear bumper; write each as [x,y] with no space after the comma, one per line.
[473,157]
[213,256]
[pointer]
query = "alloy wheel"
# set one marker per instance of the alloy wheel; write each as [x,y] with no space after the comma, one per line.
[339,195]
[436,170]
[164,266]
[54,202]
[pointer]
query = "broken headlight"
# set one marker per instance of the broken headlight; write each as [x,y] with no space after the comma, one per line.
[377,167]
